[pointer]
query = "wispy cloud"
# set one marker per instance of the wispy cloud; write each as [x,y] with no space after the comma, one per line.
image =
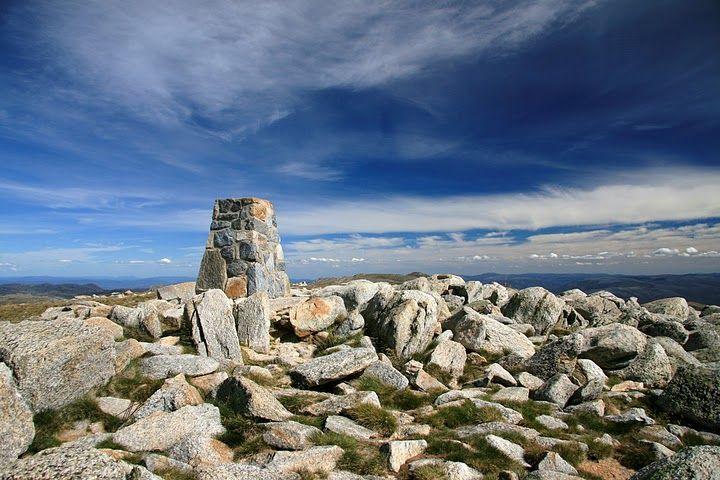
[641,196]
[242,64]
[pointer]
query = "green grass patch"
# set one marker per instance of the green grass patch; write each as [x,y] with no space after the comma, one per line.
[333,340]
[175,474]
[479,455]
[375,418]
[392,398]
[242,434]
[530,410]
[692,439]
[131,385]
[51,422]
[465,414]
[430,472]
[317,422]
[295,403]
[635,455]
[570,453]
[358,457]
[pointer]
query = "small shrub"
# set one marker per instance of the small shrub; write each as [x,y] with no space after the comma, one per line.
[598,450]
[465,414]
[308,475]
[333,340]
[175,474]
[375,418]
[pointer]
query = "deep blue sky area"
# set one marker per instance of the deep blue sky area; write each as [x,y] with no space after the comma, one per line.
[508,136]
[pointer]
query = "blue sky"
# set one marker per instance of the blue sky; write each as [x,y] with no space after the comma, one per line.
[514,136]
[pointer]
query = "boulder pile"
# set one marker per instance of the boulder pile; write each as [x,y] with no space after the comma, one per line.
[433,378]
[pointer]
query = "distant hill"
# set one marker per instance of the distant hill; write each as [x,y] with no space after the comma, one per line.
[104,283]
[697,287]
[373,277]
[61,290]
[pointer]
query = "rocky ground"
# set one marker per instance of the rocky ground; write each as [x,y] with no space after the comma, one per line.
[434,378]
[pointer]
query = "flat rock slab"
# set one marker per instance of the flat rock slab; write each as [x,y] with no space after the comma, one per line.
[161,430]
[164,366]
[289,435]
[313,460]
[403,450]
[56,362]
[333,367]
[16,419]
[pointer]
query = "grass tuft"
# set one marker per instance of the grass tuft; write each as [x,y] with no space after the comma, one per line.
[51,422]
[131,385]
[392,398]
[242,434]
[358,457]
[465,414]
[375,418]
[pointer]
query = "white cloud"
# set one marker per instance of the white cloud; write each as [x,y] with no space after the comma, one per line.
[243,63]
[165,261]
[666,251]
[644,196]
[691,250]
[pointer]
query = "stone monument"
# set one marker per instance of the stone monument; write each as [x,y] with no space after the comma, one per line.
[243,254]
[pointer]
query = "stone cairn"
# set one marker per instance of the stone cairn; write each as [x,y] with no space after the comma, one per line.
[243,254]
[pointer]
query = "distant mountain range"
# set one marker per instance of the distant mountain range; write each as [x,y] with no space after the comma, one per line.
[697,287]
[67,287]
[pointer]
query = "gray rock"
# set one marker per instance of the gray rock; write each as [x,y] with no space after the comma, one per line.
[558,389]
[559,356]
[694,395]
[496,293]
[201,450]
[386,374]
[161,430]
[345,426]
[73,462]
[356,294]
[652,367]
[677,354]
[535,306]
[630,416]
[120,408]
[693,463]
[339,404]
[613,346]
[508,414]
[289,435]
[245,396]
[313,460]
[241,471]
[159,367]
[555,463]
[495,373]
[213,271]
[450,357]
[484,333]
[56,362]
[487,428]
[675,306]
[551,423]
[512,394]
[511,450]
[16,419]
[404,322]
[705,335]
[179,291]
[174,394]
[665,327]
[333,367]
[403,450]
[252,316]
[213,325]
[529,381]
[317,314]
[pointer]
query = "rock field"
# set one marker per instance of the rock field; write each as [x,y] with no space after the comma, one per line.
[434,378]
